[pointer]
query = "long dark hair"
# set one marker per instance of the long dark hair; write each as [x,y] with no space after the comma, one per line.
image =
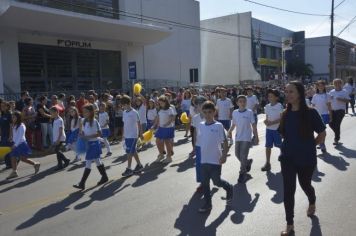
[323,83]
[90,109]
[304,125]
[18,116]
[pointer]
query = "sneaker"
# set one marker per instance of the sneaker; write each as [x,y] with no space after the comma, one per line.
[138,169]
[12,175]
[242,178]
[37,167]
[128,172]
[160,157]
[108,154]
[167,160]
[248,168]
[229,194]
[206,208]
[266,167]
[336,143]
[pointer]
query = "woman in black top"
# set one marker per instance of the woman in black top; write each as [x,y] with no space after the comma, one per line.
[298,151]
[44,118]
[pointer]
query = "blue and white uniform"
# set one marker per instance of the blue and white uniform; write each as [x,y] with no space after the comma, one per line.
[21,148]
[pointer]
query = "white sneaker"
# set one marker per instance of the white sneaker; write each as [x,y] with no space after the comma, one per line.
[13,175]
[160,157]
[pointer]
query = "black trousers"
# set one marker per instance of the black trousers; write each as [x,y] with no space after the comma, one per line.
[335,123]
[290,173]
[352,104]
[60,156]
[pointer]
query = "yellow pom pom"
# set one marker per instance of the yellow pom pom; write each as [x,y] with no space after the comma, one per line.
[137,88]
[184,118]
[4,151]
[147,136]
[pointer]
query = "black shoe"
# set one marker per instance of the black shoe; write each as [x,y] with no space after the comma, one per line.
[229,194]
[108,154]
[104,176]
[266,167]
[206,208]
[128,172]
[138,169]
[81,184]
[66,163]
[248,168]
[336,143]
[242,178]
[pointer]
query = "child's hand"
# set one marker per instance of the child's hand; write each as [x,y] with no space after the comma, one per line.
[266,122]
[257,140]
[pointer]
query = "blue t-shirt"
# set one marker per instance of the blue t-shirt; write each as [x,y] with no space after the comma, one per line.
[296,149]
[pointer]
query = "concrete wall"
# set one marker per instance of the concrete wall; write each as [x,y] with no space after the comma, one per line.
[9,62]
[317,54]
[227,59]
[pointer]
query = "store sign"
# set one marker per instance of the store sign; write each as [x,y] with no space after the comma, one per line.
[73,43]
[132,70]
[269,62]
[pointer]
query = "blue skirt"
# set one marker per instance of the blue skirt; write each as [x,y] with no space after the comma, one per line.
[80,146]
[326,118]
[165,133]
[22,150]
[105,133]
[73,136]
[93,150]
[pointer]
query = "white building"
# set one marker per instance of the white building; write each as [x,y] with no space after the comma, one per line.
[75,44]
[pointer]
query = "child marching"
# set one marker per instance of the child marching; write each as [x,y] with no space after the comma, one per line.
[105,130]
[214,149]
[132,131]
[20,149]
[75,121]
[91,132]
[244,121]
[273,112]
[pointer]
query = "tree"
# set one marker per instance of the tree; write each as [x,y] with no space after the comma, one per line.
[299,68]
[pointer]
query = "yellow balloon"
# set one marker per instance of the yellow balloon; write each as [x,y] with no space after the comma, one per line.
[137,88]
[184,118]
[147,136]
[4,151]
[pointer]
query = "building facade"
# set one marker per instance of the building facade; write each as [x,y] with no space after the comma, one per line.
[317,54]
[77,45]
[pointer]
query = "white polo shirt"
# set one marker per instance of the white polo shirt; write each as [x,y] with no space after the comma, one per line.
[211,137]
[89,130]
[18,134]
[336,104]
[130,119]
[142,114]
[252,101]
[152,114]
[320,102]
[57,124]
[273,113]
[196,120]
[164,117]
[224,108]
[243,121]
[104,118]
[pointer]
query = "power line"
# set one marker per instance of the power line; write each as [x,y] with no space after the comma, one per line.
[339,4]
[286,10]
[353,20]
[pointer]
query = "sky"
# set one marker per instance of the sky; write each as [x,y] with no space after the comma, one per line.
[313,26]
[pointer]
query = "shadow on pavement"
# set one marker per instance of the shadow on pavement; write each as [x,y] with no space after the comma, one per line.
[30,180]
[181,141]
[185,165]
[317,175]
[150,173]
[337,161]
[76,166]
[244,203]
[51,210]
[120,159]
[191,222]
[346,152]
[275,183]
[106,191]
[315,230]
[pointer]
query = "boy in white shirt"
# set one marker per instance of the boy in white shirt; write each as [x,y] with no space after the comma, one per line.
[224,108]
[252,102]
[59,138]
[104,125]
[132,130]
[273,112]
[244,121]
[214,149]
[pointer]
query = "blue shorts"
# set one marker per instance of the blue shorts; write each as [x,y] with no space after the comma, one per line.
[22,150]
[72,136]
[130,145]
[165,133]
[226,124]
[273,138]
[93,150]
[105,133]
[326,118]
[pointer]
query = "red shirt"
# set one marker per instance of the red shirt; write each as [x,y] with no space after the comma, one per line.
[80,104]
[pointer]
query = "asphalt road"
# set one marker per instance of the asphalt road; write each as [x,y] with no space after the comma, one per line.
[162,200]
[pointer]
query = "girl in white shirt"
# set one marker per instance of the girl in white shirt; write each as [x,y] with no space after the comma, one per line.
[74,131]
[91,132]
[165,131]
[151,113]
[20,149]
[186,104]
[104,125]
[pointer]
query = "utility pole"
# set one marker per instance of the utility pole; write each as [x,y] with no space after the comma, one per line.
[332,46]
